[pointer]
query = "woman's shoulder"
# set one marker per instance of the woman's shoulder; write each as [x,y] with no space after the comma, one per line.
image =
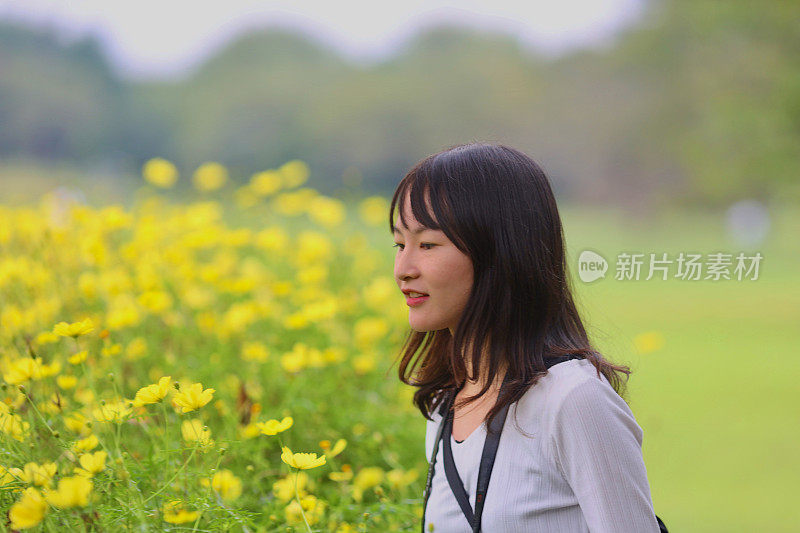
[546,396]
[550,391]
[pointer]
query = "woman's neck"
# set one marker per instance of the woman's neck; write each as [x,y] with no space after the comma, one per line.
[471,387]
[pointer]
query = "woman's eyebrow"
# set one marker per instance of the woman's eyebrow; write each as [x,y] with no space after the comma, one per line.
[415,232]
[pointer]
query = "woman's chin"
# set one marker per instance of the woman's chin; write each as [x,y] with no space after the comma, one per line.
[424,326]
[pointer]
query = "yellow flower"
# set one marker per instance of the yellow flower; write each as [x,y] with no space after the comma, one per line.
[160,173]
[303,461]
[35,474]
[46,337]
[294,172]
[114,411]
[399,479]
[55,404]
[341,476]
[22,370]
[284,488]
[92,463]
[174,513]
[273,427]
[364,364]
[193,430]
[155,301]
[273,239]
[6,478]
[193,397]
[249,431]
[209,176]
[373,210]
[313,246]
[366,478]
[312,507]
[85,396]
[72,492]
[75,329]
[152,393]
[648,342]
[329,212]
[369,330]
[227,485]
[66,382]
[345,475]
[136,349]
[337,448]
[78,423]
[265,183]
[49,370]
[293,361]
[111,349]
[28,511]
[254,351]
[122,312]
[78,358]
[87,444]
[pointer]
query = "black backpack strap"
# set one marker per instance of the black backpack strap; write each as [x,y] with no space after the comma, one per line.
[452,474]
[443,410]
[555,359]
[487,460]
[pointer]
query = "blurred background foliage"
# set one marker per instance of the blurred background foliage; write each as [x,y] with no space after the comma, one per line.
[699,103]
[696,109]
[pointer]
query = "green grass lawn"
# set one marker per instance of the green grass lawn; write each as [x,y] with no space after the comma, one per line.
[718,403]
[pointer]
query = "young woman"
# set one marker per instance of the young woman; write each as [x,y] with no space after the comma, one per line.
[495,332]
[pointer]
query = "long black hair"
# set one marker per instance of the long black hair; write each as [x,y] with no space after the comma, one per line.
[496,205]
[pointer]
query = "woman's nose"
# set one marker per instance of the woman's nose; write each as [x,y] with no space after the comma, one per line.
[405,266]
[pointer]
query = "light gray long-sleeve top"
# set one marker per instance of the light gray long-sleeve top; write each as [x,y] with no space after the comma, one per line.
[582,469]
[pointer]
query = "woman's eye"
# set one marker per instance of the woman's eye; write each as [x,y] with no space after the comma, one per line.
[402,246]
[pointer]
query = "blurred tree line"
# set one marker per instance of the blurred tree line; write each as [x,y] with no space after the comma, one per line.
[699,103]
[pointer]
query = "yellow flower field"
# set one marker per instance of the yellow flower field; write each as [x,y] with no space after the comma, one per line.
[190,362]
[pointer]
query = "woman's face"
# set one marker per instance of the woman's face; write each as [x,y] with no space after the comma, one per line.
[428,262]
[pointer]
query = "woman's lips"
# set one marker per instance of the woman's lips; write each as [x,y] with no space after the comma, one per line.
[413,302]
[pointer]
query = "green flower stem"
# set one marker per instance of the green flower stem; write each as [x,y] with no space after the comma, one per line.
[196,522]
[210,490]
[164,410]
[30,401]
[297,495]
[118,429]
[296,473]
[167,484]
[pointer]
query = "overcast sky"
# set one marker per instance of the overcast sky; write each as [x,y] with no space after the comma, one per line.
[162,38]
